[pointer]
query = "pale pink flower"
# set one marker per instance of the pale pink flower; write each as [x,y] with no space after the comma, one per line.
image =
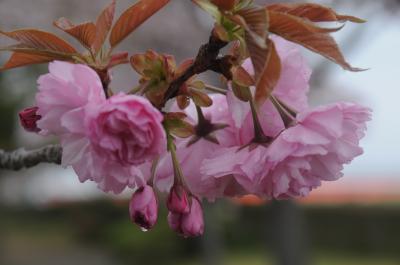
[247,166]
[190,224]
[109,175]
[28,118]
[191,157]
[69,98]
[128,129]
[292,89]
[67,88]
[143,207]
[313,150]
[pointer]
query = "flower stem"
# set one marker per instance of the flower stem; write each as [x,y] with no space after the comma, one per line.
[178,180]
[287,114]
[216,89]
[200,116]
[259,136]
[154,168]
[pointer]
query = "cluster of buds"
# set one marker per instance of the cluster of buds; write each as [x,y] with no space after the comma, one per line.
[185,212]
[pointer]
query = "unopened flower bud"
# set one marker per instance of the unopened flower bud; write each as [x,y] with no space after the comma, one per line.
[28,118]
[190,224]
[174,221]
[143,207]
[177,201]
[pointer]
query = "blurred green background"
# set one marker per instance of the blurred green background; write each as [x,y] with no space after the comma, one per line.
[47,217]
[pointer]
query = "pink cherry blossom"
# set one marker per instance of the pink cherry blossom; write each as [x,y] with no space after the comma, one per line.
[67,88]
[143,207]
[314,150]
[191,157]
[70,98]
[247,166]
[292,88]
[127,129]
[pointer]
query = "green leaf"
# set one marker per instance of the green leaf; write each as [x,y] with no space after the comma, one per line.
[241,92]
[210,8]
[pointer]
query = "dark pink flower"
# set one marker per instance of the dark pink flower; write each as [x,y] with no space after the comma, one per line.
[127,129]
[177,201]
[143,207]
[28,118]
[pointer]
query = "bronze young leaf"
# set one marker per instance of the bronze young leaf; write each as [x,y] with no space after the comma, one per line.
[134,17]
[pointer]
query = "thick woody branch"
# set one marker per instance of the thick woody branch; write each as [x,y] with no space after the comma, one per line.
[207,59]
[21,158]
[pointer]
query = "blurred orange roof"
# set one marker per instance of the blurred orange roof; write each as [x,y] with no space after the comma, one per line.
[358,190]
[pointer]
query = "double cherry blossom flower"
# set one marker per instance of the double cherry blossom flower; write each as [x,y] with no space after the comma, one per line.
[114,142]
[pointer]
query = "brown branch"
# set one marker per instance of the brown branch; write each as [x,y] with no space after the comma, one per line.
[207,59]
[21,158]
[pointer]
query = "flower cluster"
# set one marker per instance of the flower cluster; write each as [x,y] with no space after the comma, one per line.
[257,135]
[121,141]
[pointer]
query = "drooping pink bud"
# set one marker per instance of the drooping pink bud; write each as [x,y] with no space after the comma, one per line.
[190,224]
[143,207]
[174,221]
[177,201]
[28,118]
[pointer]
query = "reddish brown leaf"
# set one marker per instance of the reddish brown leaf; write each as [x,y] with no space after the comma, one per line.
[242,77]
[182,101]
[134,17]
[255,21]
[103,26]
[224,4]
[37,39]
[21,59]
[270,75]
[117,59]
[313,12]
[85,33]
[200,98]
[298,30]
[21,48]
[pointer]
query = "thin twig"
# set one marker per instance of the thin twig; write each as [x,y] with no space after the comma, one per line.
[21,158]
[207,59]
[216,89]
